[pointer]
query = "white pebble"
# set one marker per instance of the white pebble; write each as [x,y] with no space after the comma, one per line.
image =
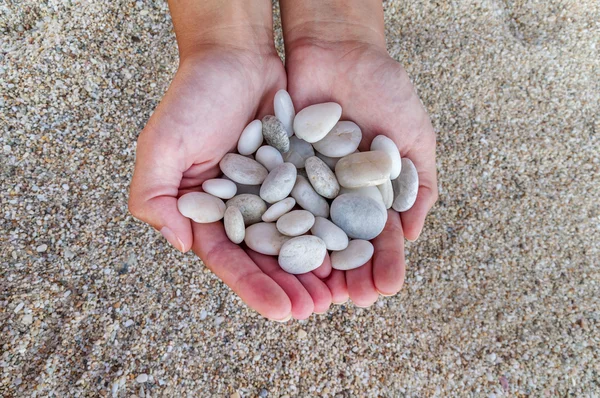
[314,122]
[295,222]
[387,193]
[264,238]
[363,169]
[302,254]
[372,192]
[321,177]
[300,150]
[41,248]
[355,255]
[243,170]
[406,186]
[341,141]
[385,144]
[201,207]
[142,378]
[129,323]
[220,187]
[284,110]
[279,183]
[333,236]
[331,162]
[19,307]
[278,209]
[234,225]
[251,138]
[307,198]
[251,206]
[269,157]
[27,319]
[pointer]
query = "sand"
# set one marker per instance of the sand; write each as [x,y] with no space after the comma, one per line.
[502,293]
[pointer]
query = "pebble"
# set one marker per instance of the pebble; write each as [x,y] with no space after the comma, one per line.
[220,187]
[406,186]
[284,110]
[333,236]
[363,169]
[27,319]
[359,216]
[251,138]
[302,254]
[307,198]
[342,140]
[129,323]
[265,238]
[251,206]
[278,209]
[243,170]
[302,334]
[315,121]
[372,192]
[295,222]
[300,150]
[41,248]
[385,144]
[234,224]
[331,162]
[355,255]
[269,157]
[275,133]
[279,183]
[387,193]
[142,378]
[201,207]
[19,307]
[321,178]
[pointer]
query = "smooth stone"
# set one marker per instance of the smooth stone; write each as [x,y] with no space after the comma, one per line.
[342,140]
[359,216]
[406,186]
[275,133]
[321,177]
[220,187]
[279,183]
[234,225]
[363,169]
[269,157]
[243,170]
[302,254]
[385,144]
[295,222]
[201,207]
[334,237]
[300,150]
[371,192]
[284,110]
[355,255]
[251,206]
[264,238]
[278,209]
[315,121]
[307,198]
[241,188]
[251,138]
[387,193]
[331,162]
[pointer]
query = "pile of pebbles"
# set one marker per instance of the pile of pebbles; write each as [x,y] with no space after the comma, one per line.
[308,190]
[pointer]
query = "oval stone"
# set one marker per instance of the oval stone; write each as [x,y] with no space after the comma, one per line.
[331,162]
[355,255]
[295,222]
[279,183]
[201,207]
[333,236]
[385,144]
[302,254]
[251,138]
[243,170]
[234,225]
[264,238]
[359,216]
[363,169]
[308,199]
[314,122]
[220,187]
[300,150]
[284,110]
[387,193]
[371,192]
[278,209]
[275,133]
[269,157]
[251,206]
[321,177]
[406,186]
[342,140]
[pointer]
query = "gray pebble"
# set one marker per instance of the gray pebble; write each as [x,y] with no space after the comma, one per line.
[243,170]
[355,255]
[275,134]
[333,236]
[279,183]
[302,254]
[406,186]
[278,209]
[251,206]
[264,238]
[361,217]
[307,198]
[295,222]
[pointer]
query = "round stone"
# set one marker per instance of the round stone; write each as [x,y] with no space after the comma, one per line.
[385,144]
[201,207]
[251,206]
[251,138]
[302,254]
[234,225]
[243,170]
[333,236]
[308,199]
[359,216]
[363,169]
[314,122]
[295,222]
[321,177]
[341,141]
[269,157]
[279,183]
[387,193]
[264,238]
[406,186]
[284,110]
[278,209]
[355,255]
[371,192]
[275,133]
[300,150]
[219,187]
[331,162]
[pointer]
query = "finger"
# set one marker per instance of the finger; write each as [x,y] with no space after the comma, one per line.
[301,300]
[388,258]
[236,269]
[318,290]
[336,282]
[360,285]
[324,269]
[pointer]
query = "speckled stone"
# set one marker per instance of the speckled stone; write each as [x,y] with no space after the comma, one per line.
[321,178]
[251,206]
[302,254]
[275,133]
[234,224]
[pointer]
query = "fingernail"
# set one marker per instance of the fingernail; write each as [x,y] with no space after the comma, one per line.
[415,239]
[340,303]
[172,238]
[287,318]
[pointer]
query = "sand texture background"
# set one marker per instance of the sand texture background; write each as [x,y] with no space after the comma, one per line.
[502,296]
